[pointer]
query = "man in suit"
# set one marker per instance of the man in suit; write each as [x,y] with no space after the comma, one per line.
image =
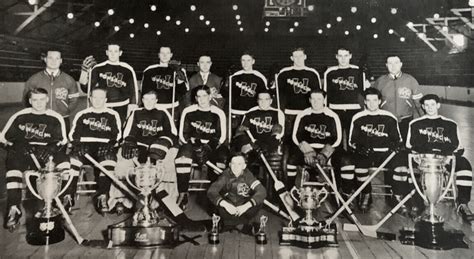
[205,77]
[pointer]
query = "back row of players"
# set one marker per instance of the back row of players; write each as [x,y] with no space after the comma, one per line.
[311,135]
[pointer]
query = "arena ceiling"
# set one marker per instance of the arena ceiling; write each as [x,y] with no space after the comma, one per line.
[66,21]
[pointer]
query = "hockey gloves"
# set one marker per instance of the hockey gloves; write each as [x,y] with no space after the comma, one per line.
[88,63]
[364,150]
[178,69]
[106,150]
[79,148]
[309,153]
[129,148]
[396,147]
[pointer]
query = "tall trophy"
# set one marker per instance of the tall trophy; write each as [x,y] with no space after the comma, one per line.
[46,225]
[145,228]
[308,232]
[429,232]
[214,234]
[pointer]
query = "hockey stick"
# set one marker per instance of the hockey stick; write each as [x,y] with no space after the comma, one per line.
[89,74]
[229,123]
[277,92]
[279,186]
[173,97]
[266,202]
[359,190]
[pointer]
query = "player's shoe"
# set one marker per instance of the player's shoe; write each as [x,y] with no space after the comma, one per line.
[13,218]
[101,204]
[68,203]
[403,210]
[465,213]
[183,200]
[365,202]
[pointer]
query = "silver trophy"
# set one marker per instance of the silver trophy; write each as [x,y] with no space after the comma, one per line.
[214,234]
[261,236]
[311,195]
[47,223]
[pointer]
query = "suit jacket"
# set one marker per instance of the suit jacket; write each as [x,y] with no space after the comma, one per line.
[213,81]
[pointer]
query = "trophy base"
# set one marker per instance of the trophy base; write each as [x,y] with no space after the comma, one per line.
[309,236]
[432,236]
[45,231]
[164,233]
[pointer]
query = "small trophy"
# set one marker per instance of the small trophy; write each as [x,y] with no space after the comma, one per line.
[429,232]
[214,235]
[46,227]
[261,236]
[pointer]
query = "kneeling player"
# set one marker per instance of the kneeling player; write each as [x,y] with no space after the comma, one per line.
[202,134]
[237,194]
[95,131]
[433,133]
[38,131]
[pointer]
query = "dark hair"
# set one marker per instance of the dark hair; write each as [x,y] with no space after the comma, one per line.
[199,88]
[317,91]
[265,91]
[97,89]
[37,91]
[247,53]
[150,92]
[166,46]
[392,55]
[372,91]
[52,50]
[429,97]
[298,49]
[114,43]
[236,154]
[205,55]
[343,48]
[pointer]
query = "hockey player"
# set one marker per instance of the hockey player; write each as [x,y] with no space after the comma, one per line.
[118,78]
[95,131]
[434,133]
[202,131]
[293,85]
[243,88]
[168,80]
[238,195]
[36,130]
[316,134]
[345,84]
[373,135]
[62,88]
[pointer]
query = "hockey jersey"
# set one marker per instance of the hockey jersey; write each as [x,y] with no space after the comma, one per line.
[436,134]
[376,130]
[149,125]
[317,129]
[260,122]
[91,125]
[293,85]
[160,78]
[244,87]
[120,81]
[205,125]
[37,129]
[344,88]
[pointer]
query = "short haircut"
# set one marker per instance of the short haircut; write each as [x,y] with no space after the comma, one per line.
[201,88]
[247,53]
[343,48]
[113,44]
[237,154]
[205,55]
[372,91]
[166,46]
[317,91]
[265,91]
[429,97]
[98,89]
[298,49]
[53,50]
[37,91]
[150,92]
[392,55]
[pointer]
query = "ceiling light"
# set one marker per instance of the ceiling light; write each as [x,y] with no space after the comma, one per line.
[373,20]
[116,28]
[132,35]
[97,24]
[296,24]
[110,11]
[320,31]
[178,22]
[239,22]
[168,18]
[292,29]
[201,17]
[266,29]
[235,7]
[186,30]
[237,17]
[328,25]
[346,32]
[376,35]
[410,24]
[436,15]
[208,22]
[146,25]
[267,23]
[390,31]
[213,29]
[339,19]
[402,39]
[193,8]
[310,8]
[358,27]
[70,15]
[393,10]
[153,8]
[131,20]
[158,33]
[353,9]
[241,29]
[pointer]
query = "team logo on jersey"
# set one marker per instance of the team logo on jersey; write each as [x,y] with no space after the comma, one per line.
[243,190]
[113,81]
[61,93]
[435,136]
[203,127]
[299,87]
[318,131]
[162,82]
[96,125]
[404,93]
[149,129]
[245,89]
[345,84]
[374,131]
[262,125]
[33,131]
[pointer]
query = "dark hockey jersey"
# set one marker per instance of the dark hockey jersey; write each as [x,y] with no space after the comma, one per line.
[91,125]
[161,79]
[317,129]
[37,129]
[344,88]
[436,134]
[207,125]
[377,130]
[244,88]
[260,122]
[120,81]
[149,125]
[293,86]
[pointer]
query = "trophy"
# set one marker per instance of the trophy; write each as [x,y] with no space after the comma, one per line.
[214,235]
[46,227]
[145,228]
[261,236]
[429,232]
[308,232]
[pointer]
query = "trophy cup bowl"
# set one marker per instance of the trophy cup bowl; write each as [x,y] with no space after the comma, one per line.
[311,195]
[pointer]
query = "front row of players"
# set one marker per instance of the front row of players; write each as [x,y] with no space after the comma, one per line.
[238,195]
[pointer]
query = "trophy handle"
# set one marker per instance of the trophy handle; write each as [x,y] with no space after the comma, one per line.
[129,181]
[451,176]
[69,181]
[28,174]
[415,157]
[292,191]
[325,193]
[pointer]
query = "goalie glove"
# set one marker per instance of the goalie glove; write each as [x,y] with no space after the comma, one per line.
[277,129]
[129,148]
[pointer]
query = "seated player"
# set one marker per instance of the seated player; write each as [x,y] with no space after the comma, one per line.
[149,132]
[433,133]
[202,132]
[316,134]
[38,131]
[95,131]
[373,135]
[238,195]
